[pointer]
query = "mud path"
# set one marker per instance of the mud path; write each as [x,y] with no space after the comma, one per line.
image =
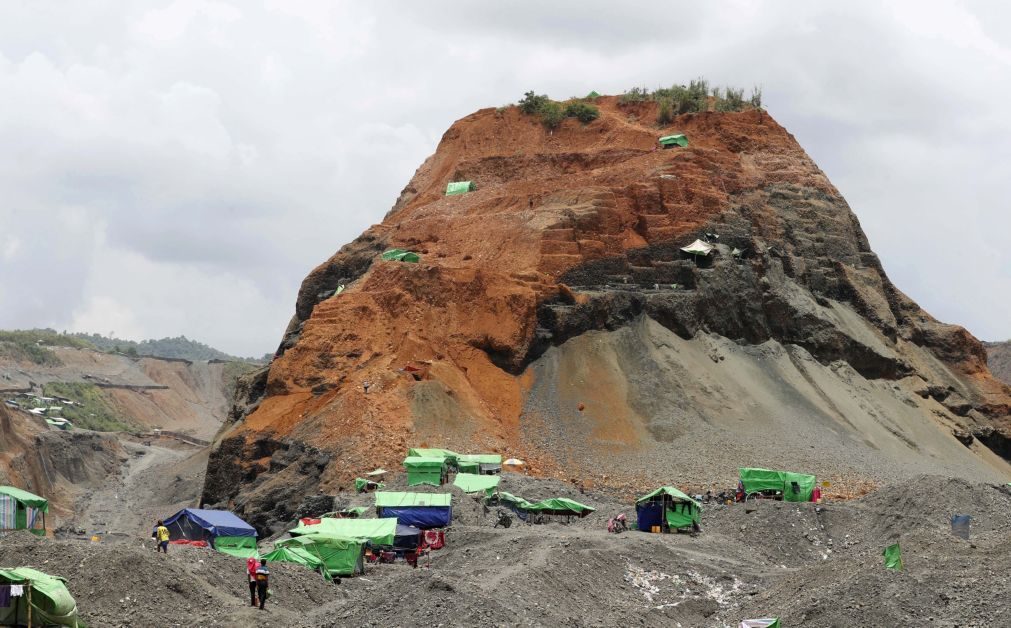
[156,481]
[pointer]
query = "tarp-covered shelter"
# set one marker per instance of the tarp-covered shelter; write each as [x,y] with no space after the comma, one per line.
[376,531]
[768,622]
[21,510]
[479,463]
[559,506]
[400,255]
[475,483]
[362,485]
[294,554]
[431,452]
[666,508]
[459,187]
[340,556]
[794,487]
[699,248]
[422,510]
[670,141]
[51,602]
[425,470]
[221,528]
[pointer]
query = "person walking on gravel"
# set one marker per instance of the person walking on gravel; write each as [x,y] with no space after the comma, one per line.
[251,576]
[262,580]
[161,535]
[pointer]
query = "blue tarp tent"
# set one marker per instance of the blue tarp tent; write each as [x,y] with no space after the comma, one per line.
[197,524]
[421,510]
[648,515]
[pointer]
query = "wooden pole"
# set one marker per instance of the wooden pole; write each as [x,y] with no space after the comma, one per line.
[29,587]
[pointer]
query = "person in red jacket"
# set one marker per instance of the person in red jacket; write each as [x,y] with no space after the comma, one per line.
[251,576]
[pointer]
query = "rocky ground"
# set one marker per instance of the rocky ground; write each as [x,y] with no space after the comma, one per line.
[811,565]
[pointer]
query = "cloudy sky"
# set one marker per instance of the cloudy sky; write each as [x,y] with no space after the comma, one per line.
[178,167]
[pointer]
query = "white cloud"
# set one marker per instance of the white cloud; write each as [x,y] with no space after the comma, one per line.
[179,168]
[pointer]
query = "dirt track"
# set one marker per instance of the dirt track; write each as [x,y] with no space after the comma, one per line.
[810,565]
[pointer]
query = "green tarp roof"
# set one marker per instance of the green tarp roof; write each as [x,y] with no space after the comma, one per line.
[432,453]
[480,458]
[473,483]
[52,604]
[675,494]
[560,506]
[768,622]
[241,546]
[418,462]
[400,255]
[26,498]
[755,480]
[400,500]
[459,187]
[361,484]
[379,531]
[340,556]
[297,555]
[509,498]
[669,140]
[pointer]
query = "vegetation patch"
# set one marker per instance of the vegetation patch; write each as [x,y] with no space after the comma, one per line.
[32,345]
[552,113]
[91,410]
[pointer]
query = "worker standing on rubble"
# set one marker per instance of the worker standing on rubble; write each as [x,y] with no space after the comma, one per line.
[161,536]
[251,576]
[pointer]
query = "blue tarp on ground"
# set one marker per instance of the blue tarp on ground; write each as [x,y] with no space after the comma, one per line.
[647,515]
[200,524]
[424,517]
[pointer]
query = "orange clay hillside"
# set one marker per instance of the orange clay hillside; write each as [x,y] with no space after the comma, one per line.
[554,316]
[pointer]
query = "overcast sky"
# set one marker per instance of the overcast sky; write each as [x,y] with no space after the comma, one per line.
[178,167]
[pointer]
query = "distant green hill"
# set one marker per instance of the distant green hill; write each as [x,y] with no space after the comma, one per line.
[27,343]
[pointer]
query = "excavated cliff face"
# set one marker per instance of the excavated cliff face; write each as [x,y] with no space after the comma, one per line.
[554,317]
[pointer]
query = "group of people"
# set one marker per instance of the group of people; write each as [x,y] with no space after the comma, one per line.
[257,572]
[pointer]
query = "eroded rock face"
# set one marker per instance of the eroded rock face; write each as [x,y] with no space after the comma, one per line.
[577,231]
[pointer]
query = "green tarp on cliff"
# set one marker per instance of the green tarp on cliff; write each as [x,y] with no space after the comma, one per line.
[474,483]
[400,255]
[52,604]
[673,140]
[459,187]
[893,557]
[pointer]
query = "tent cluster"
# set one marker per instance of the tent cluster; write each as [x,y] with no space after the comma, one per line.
[21,510]
[433,466]
[788,486]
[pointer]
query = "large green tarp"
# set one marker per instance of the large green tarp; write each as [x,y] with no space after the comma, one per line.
[241,546]
[673,140]
[400,255]
[52,604]
[447,455]
[759,480]
[339,556]
[474,483]
[378,531]
[26,498]
[893,557]
[424,470]
[670,491]
[510,499]
[293,554]
[401,500]
[459,187]
[560,506]
[361,484]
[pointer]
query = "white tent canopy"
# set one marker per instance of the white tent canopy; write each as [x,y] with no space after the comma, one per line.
[698,247]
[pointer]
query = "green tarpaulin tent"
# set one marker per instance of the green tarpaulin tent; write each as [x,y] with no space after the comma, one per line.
[241,546]
[768,622]
[679,509]
[459,187]
[673,140]
[362,485]
[794,487]
[400,255]
[479,463]
[424,470]
[474,483]
[402,500]
[293,554]
[512,500]
[339,556]
[560,506]
[592,94]
[21,510]
[378,531]
[52,604]
[449,456]
[893,557]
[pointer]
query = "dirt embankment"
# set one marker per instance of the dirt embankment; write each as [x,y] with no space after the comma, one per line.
[488,343]
[811,565]
[998,358]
